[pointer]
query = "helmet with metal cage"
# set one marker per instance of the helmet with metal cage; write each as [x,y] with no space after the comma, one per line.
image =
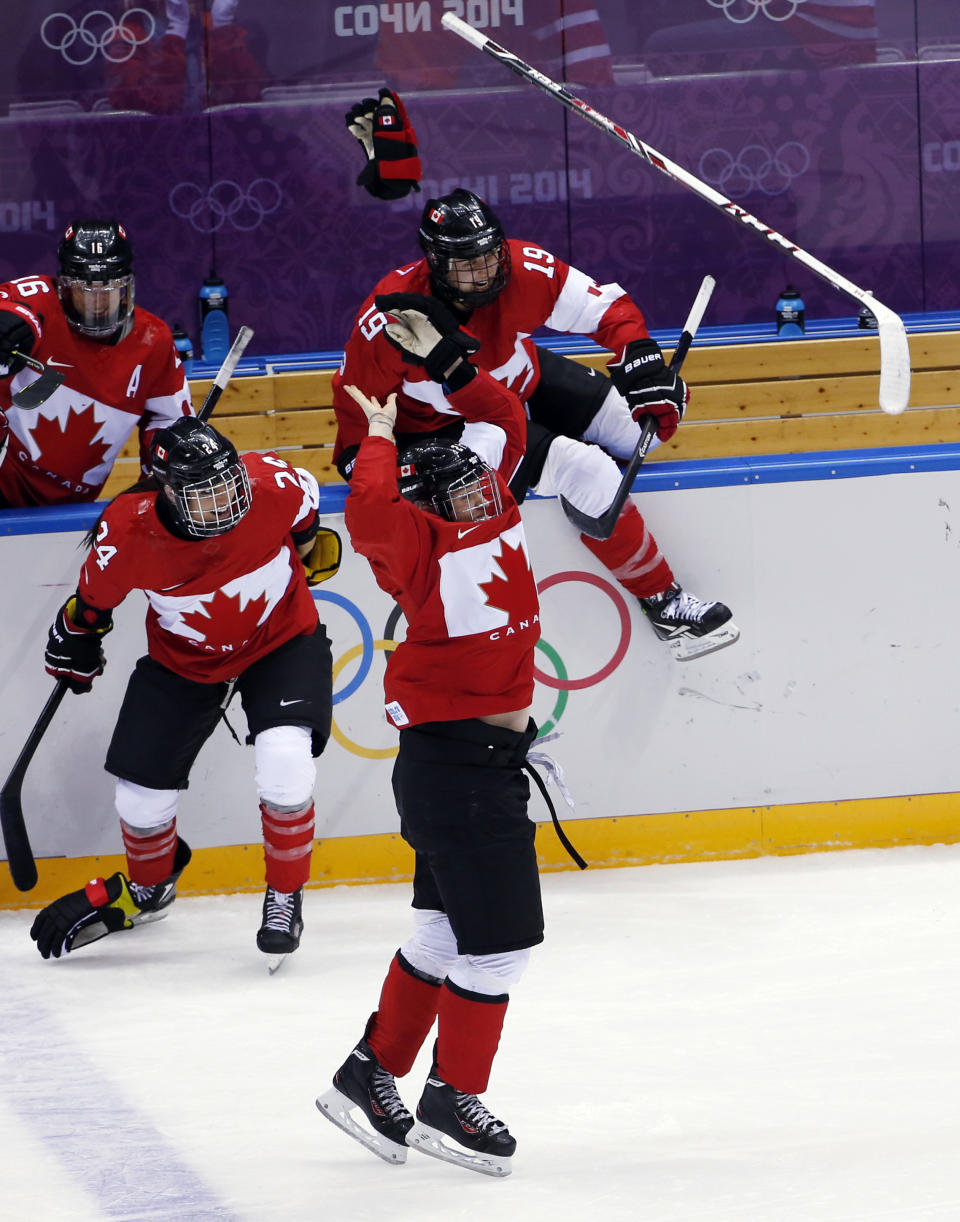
[465,247]
[202,477]
[449,480]
[95,279]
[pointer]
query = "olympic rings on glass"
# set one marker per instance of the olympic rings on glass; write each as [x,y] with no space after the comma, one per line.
[116,41]
[226,201]
[623,611]
[369,753]
[775,10]
[755,168]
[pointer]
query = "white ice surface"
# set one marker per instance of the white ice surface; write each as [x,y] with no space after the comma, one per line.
[764,1041]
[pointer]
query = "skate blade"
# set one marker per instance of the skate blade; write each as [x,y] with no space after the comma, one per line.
[275,963]
[438,1145]
[337,1108]
[685,648]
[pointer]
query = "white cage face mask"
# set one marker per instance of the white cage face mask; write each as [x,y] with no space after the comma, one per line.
[214,506]
[472,498]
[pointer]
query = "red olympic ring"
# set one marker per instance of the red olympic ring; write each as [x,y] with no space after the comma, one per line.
[623,611]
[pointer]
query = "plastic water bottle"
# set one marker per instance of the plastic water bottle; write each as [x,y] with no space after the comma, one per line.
[790,313]
[866,319]
[184,346]
[214,324]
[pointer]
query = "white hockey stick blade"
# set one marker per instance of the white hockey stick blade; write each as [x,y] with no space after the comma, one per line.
[339,1110]
[894,393]
[230,361]
[431,1141]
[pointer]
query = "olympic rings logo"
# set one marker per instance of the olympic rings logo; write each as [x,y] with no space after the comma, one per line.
[755,168]
[774,10]
[226,201]
[560,681]
[97,32]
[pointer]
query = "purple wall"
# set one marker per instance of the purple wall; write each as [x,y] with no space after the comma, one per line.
[218,138]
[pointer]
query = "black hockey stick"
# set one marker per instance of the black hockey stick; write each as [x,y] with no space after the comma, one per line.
[23,868]
[894,349]
[602,527]
[40,389]
[225,372]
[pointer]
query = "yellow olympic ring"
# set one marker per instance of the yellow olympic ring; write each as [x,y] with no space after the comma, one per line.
[370,753]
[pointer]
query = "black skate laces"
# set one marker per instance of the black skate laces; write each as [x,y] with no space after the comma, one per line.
[385,1087]
[477,1115]
[279,910]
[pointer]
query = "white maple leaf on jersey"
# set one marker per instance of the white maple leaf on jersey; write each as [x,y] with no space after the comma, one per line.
[463,573]
[269,582]
[516,372]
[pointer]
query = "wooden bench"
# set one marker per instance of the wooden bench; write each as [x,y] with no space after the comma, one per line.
[778,397]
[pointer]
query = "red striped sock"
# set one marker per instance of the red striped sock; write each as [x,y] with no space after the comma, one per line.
[287,846]
[150,854]
[632,555]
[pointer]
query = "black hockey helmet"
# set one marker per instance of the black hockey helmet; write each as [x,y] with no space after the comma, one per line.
[466,251]
[95,279]
[449,480]
[202,477]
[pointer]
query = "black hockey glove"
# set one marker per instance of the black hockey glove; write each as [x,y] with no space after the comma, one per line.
[323,559]
[74,653]
[428,334]
[390,143]
[103,906]
[15,334]
[649,386]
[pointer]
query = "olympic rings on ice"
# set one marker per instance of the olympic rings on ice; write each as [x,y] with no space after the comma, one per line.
[755,168]
[226,200]
[97,32]
[560,681]
[774,10]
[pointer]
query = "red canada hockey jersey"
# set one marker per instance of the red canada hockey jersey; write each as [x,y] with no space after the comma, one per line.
[64,450]
[466,589]
[542,291]
[216,605]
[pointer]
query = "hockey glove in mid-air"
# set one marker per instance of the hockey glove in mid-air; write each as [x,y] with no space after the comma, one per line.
[428,334]
[16,335]
[390,143]
[323,559]
[74,653]
[649,386]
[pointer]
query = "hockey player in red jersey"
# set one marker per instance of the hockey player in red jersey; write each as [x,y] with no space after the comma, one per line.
[445,539]
[475,284]
[121,371]
[224,549]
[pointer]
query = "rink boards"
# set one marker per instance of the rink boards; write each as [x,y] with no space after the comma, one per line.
[830,724]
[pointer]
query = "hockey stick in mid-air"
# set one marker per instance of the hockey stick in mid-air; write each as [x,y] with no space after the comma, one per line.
[602,527]
[40,389]
[23,867]
[225,372]
[894,349]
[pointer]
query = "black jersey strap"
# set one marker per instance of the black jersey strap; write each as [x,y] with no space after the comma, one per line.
[561,834]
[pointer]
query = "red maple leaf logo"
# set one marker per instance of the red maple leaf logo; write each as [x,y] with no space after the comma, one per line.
[222,621]
[514,591]
[69,449]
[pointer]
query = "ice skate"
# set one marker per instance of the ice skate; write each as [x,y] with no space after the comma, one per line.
[692,628]
[362,1084]
[279,934]
[457,1128]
